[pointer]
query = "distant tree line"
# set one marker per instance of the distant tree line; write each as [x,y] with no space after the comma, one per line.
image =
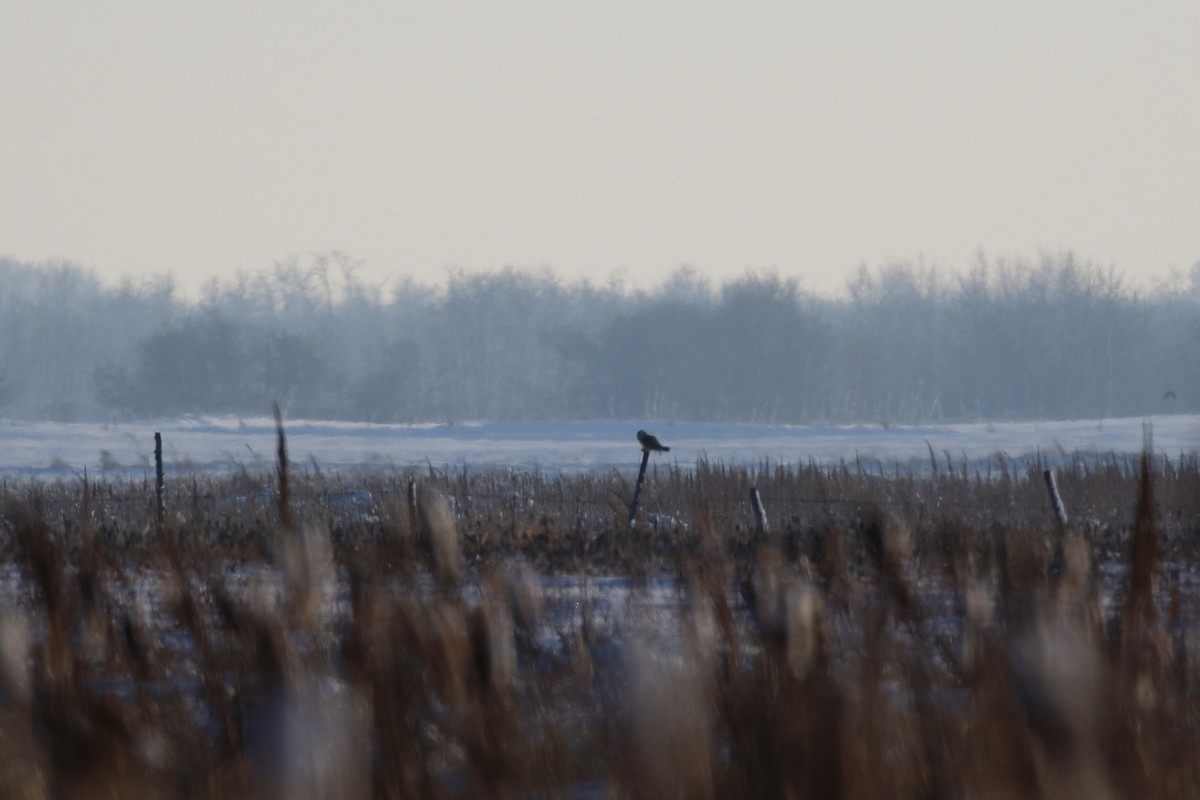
[1049,339]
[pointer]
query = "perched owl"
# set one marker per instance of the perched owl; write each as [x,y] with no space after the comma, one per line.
[650,443]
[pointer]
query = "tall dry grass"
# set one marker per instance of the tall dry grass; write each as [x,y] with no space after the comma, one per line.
[896,635]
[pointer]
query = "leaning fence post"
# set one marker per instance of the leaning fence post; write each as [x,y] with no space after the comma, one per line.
[650,444]
[1058,560]
[1056,503]
[759,511]
[637,491]
[158,476]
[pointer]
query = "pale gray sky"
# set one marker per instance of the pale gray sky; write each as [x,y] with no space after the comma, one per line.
[200,138]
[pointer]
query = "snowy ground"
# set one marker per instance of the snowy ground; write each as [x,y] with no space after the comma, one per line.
[214,444]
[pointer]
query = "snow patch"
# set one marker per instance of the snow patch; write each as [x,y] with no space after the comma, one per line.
[218,443]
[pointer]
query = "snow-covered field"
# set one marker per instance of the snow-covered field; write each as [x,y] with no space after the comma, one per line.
[215,444]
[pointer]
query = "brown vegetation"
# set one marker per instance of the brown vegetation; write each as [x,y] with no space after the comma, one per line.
[506,635]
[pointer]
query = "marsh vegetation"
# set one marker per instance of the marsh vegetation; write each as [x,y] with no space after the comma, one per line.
[505,634]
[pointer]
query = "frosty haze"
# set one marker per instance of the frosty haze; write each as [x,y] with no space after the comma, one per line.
[1048,339]
[222,444]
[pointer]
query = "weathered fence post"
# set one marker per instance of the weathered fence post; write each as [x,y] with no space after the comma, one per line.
[637,491]
[1056,503]
[759,512]
[281,470]
[1058,559]
[650,444]
[158,476]
[413,522]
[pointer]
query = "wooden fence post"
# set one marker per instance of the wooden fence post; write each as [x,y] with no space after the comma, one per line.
[158,476]
[281,470]
[1058,559]
[413,520]
[759,511]
[1056,503]
[637,491]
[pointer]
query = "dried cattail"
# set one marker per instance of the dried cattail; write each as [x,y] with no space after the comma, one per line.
[440,530]
[15,643]
[1060,682]
[671,727]
[805,627]
[305,559]
[323,747]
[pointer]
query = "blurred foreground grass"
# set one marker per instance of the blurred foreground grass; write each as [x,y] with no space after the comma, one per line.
[503,634]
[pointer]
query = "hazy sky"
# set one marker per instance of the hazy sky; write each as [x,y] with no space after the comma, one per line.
[200,138]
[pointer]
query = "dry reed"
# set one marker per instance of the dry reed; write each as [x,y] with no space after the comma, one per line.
[892,635]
